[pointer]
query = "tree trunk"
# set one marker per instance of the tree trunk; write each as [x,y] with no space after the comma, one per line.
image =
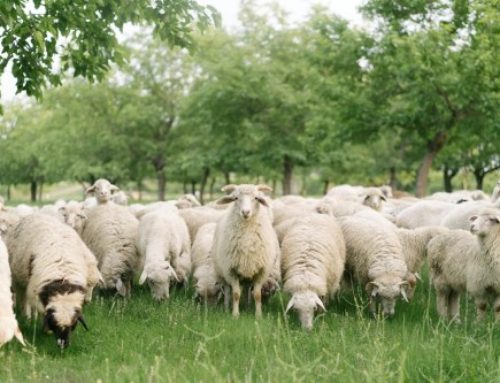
[139,189]
[393,178]
[33,190]
[227,177]
[287,175]
[273,194]
[433,148]
[326,186]
[8,192]
[448,175]
[185,187]
[203,183]
[193,188]
[479,175]
[212,186]
[161,180]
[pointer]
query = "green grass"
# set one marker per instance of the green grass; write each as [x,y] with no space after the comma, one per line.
[182,341]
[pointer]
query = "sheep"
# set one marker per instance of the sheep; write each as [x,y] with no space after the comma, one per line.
[103,190]
[374,198]
[462,261]
[111,232]
[120,198]
[346,192]
[156,206]
[164,248]
[458,216]
[313,258]
[187,201]
[423,213]
[207,284]
[196,217]
[53,270]
[23,210]
[339,207]
[8,323]
[73,214]
[375,259]
[245,244]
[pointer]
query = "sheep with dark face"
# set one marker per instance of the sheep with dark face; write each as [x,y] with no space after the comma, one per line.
[245,245]
[53,270]
[103,190]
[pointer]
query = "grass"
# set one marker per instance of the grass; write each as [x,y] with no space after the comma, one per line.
[182,341]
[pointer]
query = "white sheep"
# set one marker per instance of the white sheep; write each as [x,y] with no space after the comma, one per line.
[245,244]
[373,198]
[313,259]
[111,232]
[120,197]
[196,217]
[206,282]
[462,261]
[375,259]
[53,271]
[458,216]
[164,247]
[103,191]
[423,213]
[8,323]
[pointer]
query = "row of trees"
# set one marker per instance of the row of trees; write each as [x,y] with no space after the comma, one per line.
[274,99]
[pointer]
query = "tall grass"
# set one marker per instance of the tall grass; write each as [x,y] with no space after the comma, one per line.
[180,341]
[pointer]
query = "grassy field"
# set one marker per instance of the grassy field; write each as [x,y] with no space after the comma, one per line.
[182,341]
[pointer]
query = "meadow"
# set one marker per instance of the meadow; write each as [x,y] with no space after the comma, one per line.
[184,341]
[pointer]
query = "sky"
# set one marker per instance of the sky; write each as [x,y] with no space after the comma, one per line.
[297,9]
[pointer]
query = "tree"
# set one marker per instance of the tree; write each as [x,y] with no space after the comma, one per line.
[83,33]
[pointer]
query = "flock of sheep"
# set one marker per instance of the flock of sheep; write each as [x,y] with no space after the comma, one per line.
[246,246]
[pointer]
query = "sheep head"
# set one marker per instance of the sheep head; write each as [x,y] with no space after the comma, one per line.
[247,198]
[385,291]
[305,303]
[374,198]
[159,275]
[102,189]
[487,221]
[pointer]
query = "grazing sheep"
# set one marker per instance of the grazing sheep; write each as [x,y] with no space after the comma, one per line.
[196,217]
[460,261]
[245,244]
[313,258]
[53,270]
[375,260]
[8,323]
[423,213]
[207,285]
[111,233]
[103,190]
[164,248]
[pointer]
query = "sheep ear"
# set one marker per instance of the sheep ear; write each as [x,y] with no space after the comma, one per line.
[319,303]
[62,210]
[495,219]
[403,294]
[120,288]
[262,201]
[90,190]
[114,188]
[174,274]
[472,218]
[19,336]
[226,199]
[143,277]
[367,197]
[383,198]
[290,304]
[264,188]
[229,188]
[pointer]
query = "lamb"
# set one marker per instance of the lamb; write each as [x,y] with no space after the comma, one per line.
[462,261]
[53,270]
[103,190]
[111,233]
[313,259]
[423,213]
[245,244]
[375,259]
[164,247]
[8,323]
[207,284]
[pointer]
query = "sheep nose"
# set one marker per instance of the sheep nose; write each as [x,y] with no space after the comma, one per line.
[245,213]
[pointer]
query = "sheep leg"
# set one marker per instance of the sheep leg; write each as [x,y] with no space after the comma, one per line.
[227,297]
[454,306]
[497,308]
[257,296]
[481,306]
[235,285]
[442,304]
